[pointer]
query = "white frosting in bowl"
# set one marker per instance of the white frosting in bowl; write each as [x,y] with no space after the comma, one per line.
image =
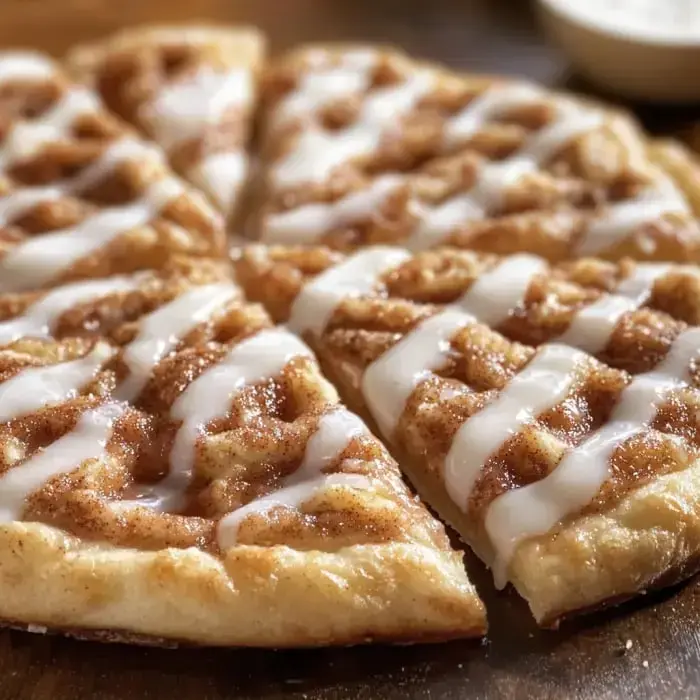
[644,49]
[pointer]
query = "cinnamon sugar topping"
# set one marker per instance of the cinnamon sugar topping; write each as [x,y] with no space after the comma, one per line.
[371,147]
[520,438]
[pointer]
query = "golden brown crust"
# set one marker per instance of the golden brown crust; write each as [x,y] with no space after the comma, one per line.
[650,538]
[557,210]
[345,561]
[641,528]
[134,68]
[255,596]
[88,174]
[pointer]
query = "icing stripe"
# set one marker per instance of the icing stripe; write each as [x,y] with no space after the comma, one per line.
[40,259]
[319,87]
[317,152]
[487,106]
[355,276]
[537,508]
[541,385]
[622,219]
[26,138]
[290,497]
[209,396]
[25,65]
[310,222]
[334,433]
[182,110]
[435,223]
[163,329]
[391,379]
[19,202]
[40,318]
[569,122]
[222,176]
[494,295]
[36,387]
[87,441]
[593,326]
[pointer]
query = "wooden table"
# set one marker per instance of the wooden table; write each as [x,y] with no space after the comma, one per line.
[588,659]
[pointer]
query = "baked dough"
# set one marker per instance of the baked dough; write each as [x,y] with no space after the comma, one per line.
[548,412]
[175,469]
[363,145]
[191,89]
[81,195]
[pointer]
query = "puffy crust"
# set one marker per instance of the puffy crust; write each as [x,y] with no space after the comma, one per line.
[240,45]
[255,596]
[682,165]
[651,537]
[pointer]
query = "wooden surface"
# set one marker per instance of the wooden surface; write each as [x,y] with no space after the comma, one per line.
[588,659]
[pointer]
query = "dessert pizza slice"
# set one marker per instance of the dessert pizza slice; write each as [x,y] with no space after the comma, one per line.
[176,469]
[80,195]
[189,88]
[549,413]
[362,145]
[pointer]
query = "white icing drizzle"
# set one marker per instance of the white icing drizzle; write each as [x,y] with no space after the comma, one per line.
[310,222]
[40,318]
[355,276]
[334,433]
[289,497]
[209,396]
[26,138]
[537,508]
[183,110]
[542,384]
[35,387]
[186,109]
[17,203]
[317,152]
[87,441]
[40,259]
[318,87]
[494,295]
[390,380]
[569,122]
[592,327]
[163,329]
[623,218]
[221,176]
[488,106]
[25,65]
[435,223]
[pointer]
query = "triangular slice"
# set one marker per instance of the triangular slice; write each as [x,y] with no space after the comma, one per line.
[567,460]
[189,88]
[362,145]
[177,469]
[80,195]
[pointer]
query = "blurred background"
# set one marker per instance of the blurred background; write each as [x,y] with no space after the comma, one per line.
[480,34]
[491,36]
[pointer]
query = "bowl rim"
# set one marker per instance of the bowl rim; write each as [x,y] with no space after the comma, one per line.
[556,7]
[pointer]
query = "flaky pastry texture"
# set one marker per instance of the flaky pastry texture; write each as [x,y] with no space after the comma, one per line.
[175,469]
[82,196]
[568,392]
[363,145]
[190,88]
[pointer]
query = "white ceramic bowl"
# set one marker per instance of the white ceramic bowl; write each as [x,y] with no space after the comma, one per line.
[636,65]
